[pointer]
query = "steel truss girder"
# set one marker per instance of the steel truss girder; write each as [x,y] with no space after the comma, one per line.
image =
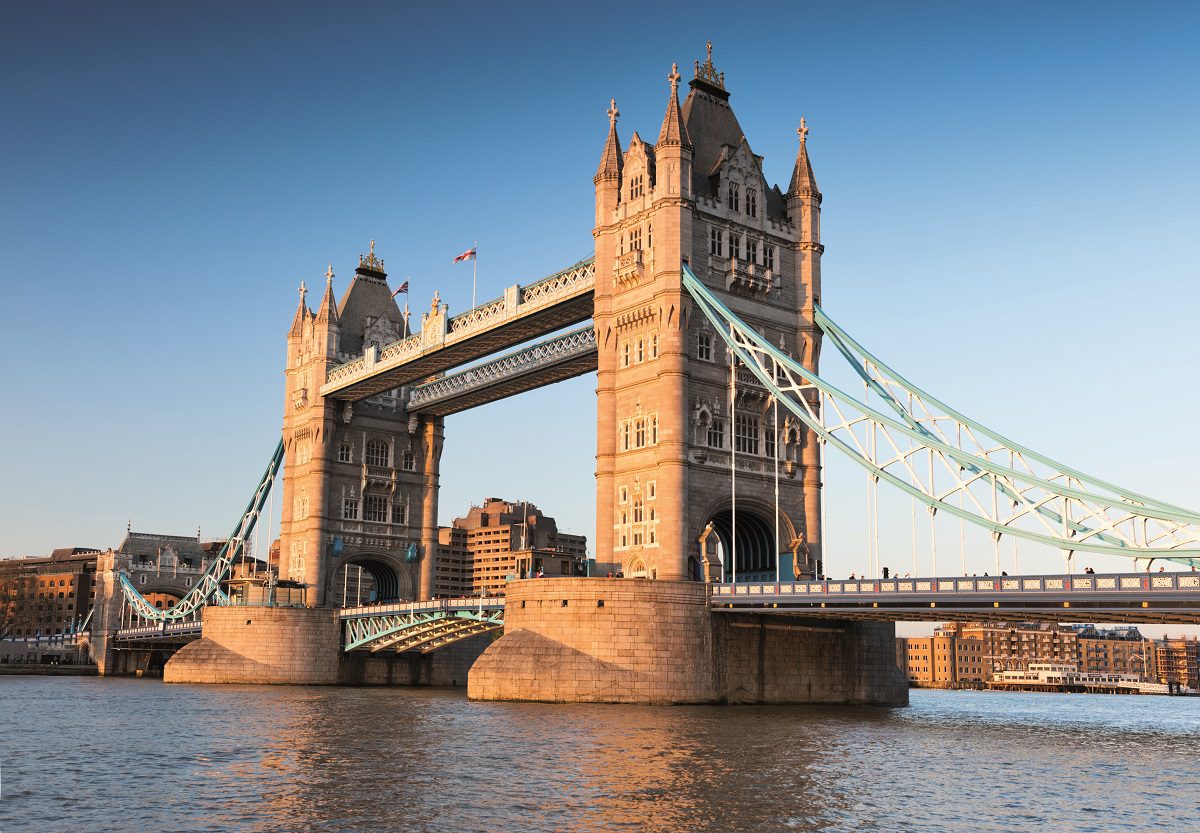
[446,395]
[1052,508]
[208,586]
[419,630]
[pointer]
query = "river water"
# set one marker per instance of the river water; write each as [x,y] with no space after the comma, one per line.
[95,755]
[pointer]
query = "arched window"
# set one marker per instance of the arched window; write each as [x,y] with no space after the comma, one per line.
[751,202]
[377,452]
[732,197]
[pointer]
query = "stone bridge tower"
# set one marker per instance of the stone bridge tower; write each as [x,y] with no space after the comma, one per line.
[668,428]
[360,479]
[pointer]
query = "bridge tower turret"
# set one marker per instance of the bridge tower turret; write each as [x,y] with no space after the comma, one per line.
[360,478]
[668,431]
[804,213]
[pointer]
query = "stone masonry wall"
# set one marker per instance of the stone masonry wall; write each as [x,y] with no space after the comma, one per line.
[261,645]
[600,641]
[657,642]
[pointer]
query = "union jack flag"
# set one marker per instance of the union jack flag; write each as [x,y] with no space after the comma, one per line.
[403,288]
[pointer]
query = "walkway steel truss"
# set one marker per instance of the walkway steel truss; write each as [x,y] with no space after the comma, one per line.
[941,457]
[553,360]
[420,626]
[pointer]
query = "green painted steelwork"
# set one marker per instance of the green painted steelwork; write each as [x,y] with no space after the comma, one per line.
[419,629]
[208,586]
[1033,495]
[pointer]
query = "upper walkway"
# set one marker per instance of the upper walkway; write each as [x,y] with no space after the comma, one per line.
[445,342]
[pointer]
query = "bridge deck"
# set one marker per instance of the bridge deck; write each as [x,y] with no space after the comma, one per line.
[1146,598]
[524,313]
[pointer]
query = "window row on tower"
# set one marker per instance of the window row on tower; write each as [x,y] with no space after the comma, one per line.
[716,247]
[377,452]
[632,241]
[748,204]
[638,432]
[636,351]
[379,509]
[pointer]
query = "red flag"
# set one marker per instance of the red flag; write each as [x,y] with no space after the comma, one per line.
[403,288]
[469,254]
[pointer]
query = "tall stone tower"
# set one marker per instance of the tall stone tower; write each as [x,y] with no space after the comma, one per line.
[360,480]
[670,431]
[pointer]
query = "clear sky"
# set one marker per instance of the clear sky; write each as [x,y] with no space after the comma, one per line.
[1010,218]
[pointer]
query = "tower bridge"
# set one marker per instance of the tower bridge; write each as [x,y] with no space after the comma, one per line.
[705,329]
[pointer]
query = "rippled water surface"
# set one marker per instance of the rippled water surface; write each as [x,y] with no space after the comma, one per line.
[87,754]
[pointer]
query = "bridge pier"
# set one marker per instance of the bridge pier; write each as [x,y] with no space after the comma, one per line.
[659,642]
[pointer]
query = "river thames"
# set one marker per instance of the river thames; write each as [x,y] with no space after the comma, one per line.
[89,754]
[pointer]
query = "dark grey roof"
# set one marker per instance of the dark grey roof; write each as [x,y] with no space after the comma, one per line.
[146,545]
[368,296]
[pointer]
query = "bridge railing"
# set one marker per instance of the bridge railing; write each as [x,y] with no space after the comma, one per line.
[1130,583]
[432,606]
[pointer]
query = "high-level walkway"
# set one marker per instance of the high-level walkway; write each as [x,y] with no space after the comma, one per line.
[445,342]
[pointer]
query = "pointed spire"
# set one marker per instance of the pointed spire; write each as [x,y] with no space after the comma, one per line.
[327,312]
[302,313]
[803,182]
[611,160]
[674,131]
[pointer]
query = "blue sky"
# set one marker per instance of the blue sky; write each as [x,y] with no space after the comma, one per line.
[1010,218]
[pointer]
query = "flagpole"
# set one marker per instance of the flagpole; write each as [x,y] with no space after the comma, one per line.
[474,270]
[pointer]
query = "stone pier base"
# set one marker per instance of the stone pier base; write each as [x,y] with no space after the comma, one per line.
[658,642]
[261,645]
[303,646]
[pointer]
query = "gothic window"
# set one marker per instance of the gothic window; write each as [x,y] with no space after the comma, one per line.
[399,513]
[637,510]
[650,488]
[625,355]
[704,347]
[769,256]
[641,350]
[375,509]
[624,518]
[624,494]
[625,436]
[769,443]
[732,197]
[751,202]
[654,346]
[716,433]
[344,453]
[649,236]
[637,537]
[635,240]
[653,429]
[640,434]
[751,250]
[377,452]
[621,242]
[735,246]
[408,461]
[746,434]
[350,509]
[716,241]
[637,186]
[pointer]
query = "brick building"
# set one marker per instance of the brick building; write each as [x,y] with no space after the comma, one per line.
[499,539]
[970,653]
[1178,662]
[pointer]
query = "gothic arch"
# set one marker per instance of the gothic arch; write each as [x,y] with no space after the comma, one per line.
[756,544]
[384,578]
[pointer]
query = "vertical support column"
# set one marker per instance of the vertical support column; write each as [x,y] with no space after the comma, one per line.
[316,524]
[106,615]
[606,439]
[432,437]
[675,542]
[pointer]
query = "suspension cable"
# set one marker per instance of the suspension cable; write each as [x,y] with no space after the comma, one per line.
[733,455]
[775,448]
